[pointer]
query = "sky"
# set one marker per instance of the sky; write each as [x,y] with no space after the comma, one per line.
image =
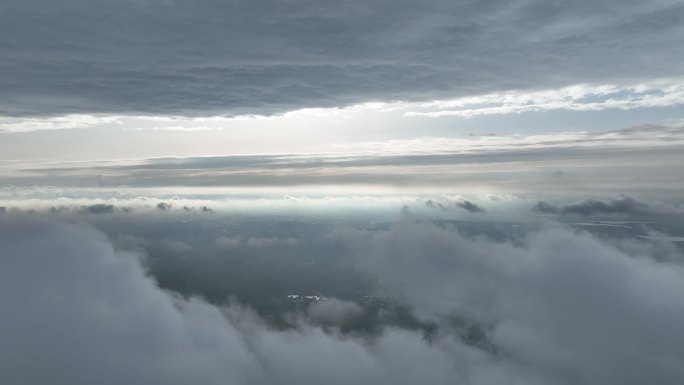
[477,192]
[129,82]
[263,57]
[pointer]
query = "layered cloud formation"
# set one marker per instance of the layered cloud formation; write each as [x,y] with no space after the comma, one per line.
[635,161]
[258,148]
[562,309]
[213,57]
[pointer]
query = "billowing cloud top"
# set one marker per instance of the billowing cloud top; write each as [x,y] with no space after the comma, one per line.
[565,308]
[264,56]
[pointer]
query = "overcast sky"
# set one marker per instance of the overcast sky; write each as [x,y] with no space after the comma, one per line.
[126,81]
[506,175]
[207,57]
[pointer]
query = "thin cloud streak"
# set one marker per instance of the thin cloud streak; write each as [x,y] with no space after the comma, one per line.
[628,159]
[574,98]
[579,98]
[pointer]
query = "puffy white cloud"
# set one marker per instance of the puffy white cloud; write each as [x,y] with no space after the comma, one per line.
[565,304]
[563,309]
[77,312]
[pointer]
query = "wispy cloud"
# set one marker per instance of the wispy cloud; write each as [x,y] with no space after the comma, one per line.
[664,93]
[617,161]
[8,124]
[580,98]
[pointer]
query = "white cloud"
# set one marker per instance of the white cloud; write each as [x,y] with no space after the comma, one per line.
[563,309]
[87,314]
[564,304]
[9,124]
[583,97]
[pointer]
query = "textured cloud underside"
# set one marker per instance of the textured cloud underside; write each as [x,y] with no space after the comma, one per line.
[207,57]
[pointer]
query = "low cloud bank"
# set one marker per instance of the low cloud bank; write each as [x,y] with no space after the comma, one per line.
[448,206]
[624,206]
[563,309]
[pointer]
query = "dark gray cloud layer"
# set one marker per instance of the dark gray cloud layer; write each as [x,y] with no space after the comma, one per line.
[99,208]
[626,206]
[464,204]
[210,56]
